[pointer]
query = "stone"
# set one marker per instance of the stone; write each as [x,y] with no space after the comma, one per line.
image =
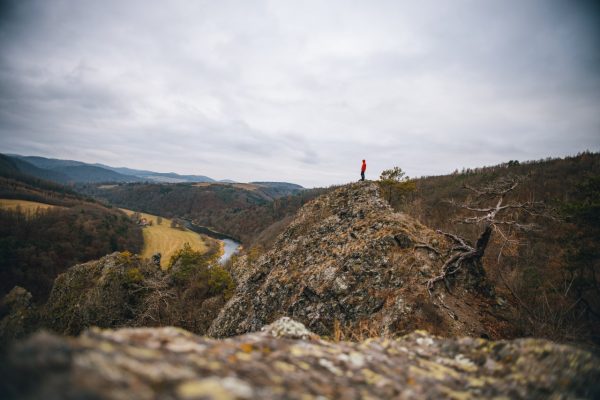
[286,327]
[279,363]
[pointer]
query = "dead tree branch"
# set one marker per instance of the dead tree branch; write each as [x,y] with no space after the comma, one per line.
[492,217]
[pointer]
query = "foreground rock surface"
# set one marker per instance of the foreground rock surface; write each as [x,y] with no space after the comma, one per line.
[286,361]
[349,267]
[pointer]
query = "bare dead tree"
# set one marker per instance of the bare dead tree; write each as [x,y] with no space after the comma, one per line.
[494,214]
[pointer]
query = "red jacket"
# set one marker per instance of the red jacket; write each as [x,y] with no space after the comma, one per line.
[364,167]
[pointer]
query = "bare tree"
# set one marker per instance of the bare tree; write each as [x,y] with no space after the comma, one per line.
[491,211]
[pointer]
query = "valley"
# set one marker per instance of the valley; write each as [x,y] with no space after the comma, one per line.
[289,200]
[161,237]
[331,276]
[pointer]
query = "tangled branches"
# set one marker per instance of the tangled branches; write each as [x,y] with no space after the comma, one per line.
[489,209]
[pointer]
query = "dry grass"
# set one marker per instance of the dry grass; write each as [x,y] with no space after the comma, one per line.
[166,240]
[357,331]
[26,207]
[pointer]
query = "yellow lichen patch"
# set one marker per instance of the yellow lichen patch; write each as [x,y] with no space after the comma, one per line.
[209,388]
[105,347]
[372,378]
[284,367]
[243,356]
[140,352]
[438,371]
[247,347]
[433,371]
[456,395]
[296,351]
[304,365]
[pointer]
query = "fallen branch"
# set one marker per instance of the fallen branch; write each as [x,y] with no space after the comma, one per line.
[427,247]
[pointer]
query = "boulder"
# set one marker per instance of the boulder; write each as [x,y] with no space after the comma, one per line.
[286,361]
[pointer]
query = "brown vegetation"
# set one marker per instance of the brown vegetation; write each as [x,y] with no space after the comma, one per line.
[35,247]
[122,289]
[548,273]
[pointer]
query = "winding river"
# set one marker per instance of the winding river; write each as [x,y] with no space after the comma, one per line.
[230,247]
[230,244]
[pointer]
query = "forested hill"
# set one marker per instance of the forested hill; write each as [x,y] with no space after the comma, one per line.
[550,271]
[46,227]
[244,211]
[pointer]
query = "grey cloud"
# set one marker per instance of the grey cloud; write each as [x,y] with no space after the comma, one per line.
[299,91]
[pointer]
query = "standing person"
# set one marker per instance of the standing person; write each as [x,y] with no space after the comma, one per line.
[362,170]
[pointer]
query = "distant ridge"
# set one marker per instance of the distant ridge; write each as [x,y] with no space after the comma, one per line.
[71,171]
[68,171]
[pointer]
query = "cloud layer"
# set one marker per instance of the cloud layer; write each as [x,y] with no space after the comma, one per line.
[299,91]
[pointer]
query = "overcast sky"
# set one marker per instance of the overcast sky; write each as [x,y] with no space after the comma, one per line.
[299,91]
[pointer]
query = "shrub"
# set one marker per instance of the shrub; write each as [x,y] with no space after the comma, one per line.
[198,272]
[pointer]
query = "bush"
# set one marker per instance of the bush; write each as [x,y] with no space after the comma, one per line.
[199,273]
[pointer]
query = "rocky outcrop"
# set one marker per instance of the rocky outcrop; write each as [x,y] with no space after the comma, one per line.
[109,292]
[18,317]
[349,267]
[285,361]
[120,290]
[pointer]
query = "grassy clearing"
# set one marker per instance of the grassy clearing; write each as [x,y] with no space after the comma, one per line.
[27,207]
[166,240]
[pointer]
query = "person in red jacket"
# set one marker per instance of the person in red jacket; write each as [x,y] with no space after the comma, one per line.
[362,170]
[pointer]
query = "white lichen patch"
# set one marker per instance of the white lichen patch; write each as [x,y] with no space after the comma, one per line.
[286,327]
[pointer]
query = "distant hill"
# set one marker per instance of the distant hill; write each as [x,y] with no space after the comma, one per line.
[13,165]
[92,174]
[164,177]
[26,174]
[74,172]
[71,171]
[68,171]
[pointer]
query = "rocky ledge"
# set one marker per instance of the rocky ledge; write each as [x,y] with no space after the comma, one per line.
[285,360]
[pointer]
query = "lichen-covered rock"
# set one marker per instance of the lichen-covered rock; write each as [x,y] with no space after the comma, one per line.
[287,328]
[108,292]
[170,363]
[349,267]
[17,316]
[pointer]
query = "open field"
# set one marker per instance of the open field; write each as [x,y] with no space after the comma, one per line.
[166,240]
[27,207]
